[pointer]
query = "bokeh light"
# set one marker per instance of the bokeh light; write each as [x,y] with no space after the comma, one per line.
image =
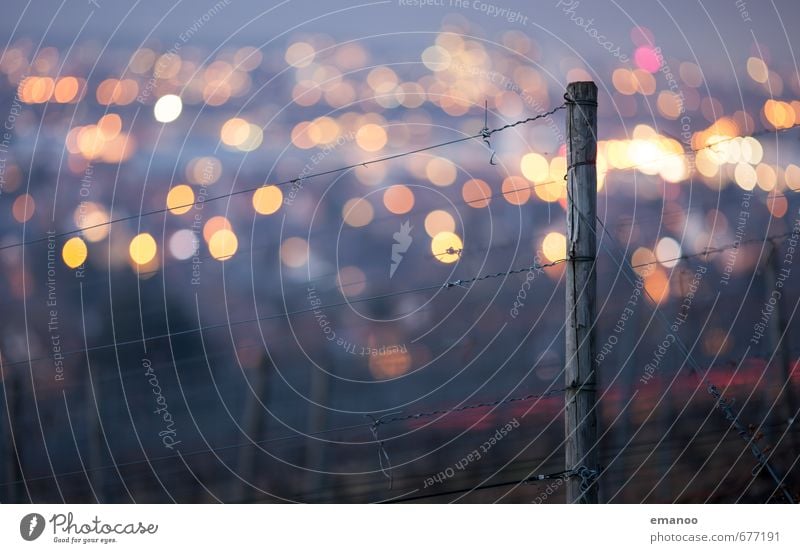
[180,199]
[390,364]
[167,108]
[214,224]
[234,132]
[351,281]
[204,171]
[535,167]
[142,248]
[357,212]
[516,190]
[183,244]
[554,246]
[667,250]
[439,221]
[476,193]
[294,252]
[267,200]
[223,244]
[299,54]
[66,90]
[23,208]
[398,199]
[643,261]
[74,252]
[656,284]
[441,171]
[92,218]
[371,137]
[446,247]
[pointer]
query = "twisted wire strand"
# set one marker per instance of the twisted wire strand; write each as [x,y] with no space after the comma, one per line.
[289,182]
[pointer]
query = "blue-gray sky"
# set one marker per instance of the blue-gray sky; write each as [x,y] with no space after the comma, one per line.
[712,29]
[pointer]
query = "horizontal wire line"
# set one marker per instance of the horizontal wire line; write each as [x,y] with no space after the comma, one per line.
[395,156]
[706,147]
[447,285]
[289,182]
[631,222]
[363,425]
[286,314]
[430,414]
[719,249]
[208,257]
[684,153]
[668,156]
[461,252]
[530,479]
[450,284]
[725,406]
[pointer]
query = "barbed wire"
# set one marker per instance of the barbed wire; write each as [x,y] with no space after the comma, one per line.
[582,472]
[290,182]
[710,146]
[383,454]
[721,402]
[464,282]
[461,252]
[484,133]
[286,314]
[388,419]
[636,166]
[724,405]
[675,442]
[710,251]
[488,133]
[483,198]
[377,421]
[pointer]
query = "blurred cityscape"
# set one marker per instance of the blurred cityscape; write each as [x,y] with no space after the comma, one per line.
[191,315]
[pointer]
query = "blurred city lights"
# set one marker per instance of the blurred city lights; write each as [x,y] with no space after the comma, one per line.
[167,108]
[74,252]
[142,248]
[446,247]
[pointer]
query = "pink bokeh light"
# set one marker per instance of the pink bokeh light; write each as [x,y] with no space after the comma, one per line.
[647,59]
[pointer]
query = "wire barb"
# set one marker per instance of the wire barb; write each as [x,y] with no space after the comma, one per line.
[570,100]
[528,120]
[430,414]
[382,453]
[588,476]
[337,170]
[724,405]
[485,131]
[539,477]
[462,283]
[534,267]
